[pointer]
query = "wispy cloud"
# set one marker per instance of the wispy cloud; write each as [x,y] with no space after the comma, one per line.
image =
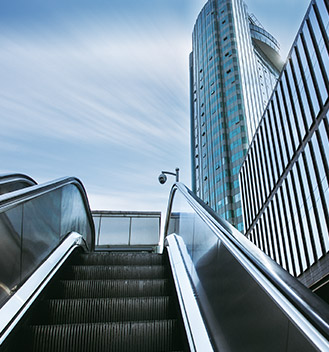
[121,98]
[111,89]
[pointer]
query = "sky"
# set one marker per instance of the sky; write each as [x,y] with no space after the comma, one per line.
[99,89]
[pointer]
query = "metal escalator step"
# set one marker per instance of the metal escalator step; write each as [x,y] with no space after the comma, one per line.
[118,258]
[105,272]
[161,335]
[95,310]
[109,288]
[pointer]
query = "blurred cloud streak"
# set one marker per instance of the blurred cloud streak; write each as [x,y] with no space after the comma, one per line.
[110,99]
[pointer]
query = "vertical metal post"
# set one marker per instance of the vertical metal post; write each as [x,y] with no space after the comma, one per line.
[177,174]
[129,238]
[99,230]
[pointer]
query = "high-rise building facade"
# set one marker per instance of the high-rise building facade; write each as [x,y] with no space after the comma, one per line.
[284,178]
[234,65]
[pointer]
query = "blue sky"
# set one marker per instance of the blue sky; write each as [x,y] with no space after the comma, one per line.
[98,89]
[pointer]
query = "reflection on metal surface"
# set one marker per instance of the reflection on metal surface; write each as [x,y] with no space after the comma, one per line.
[132,229]
[14,182]
[10,249]
[196,331]
[248,302]
[12,311]
[5,288]
[33,222]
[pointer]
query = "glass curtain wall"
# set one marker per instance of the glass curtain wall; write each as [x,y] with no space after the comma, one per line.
[229,90]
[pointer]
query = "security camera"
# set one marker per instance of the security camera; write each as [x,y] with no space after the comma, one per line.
[162,178]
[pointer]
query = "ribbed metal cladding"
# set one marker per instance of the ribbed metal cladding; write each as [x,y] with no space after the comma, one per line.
[286,170]
[124,337]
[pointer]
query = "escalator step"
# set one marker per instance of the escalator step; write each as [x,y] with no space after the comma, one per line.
[106,310]
[106,272]
[118,258]
[109,288]
[161,335]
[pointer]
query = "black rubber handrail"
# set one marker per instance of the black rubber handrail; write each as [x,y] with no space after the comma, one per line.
[15,198]
[17,177]
[313,308]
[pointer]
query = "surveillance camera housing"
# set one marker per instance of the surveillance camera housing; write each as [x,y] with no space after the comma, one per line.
[162,178]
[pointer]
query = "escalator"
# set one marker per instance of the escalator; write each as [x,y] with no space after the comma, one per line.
[105,302]
[14,182]
[210,290]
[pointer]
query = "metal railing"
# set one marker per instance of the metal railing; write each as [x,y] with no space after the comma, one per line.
[33,222]
[132,229]
[14,182]
[247,301]
[261,34]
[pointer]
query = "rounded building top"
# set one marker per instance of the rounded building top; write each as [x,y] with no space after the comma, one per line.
[265,43]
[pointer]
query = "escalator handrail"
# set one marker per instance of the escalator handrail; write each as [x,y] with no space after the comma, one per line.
[17,177]
[15,198]
[307,303]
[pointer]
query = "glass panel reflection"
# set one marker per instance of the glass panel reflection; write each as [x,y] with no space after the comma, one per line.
[127,228]
[144,231]
[10,249]
[114,231]
[35,226]
[73,213]
[41,235]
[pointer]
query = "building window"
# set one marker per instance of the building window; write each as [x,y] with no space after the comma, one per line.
[238,212]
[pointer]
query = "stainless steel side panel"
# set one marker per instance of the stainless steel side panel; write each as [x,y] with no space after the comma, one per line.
[243,310]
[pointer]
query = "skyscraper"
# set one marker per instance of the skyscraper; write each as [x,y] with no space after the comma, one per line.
[234,65]
[285,176]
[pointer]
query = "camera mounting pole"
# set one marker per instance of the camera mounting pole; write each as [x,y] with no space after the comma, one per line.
[163,177]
